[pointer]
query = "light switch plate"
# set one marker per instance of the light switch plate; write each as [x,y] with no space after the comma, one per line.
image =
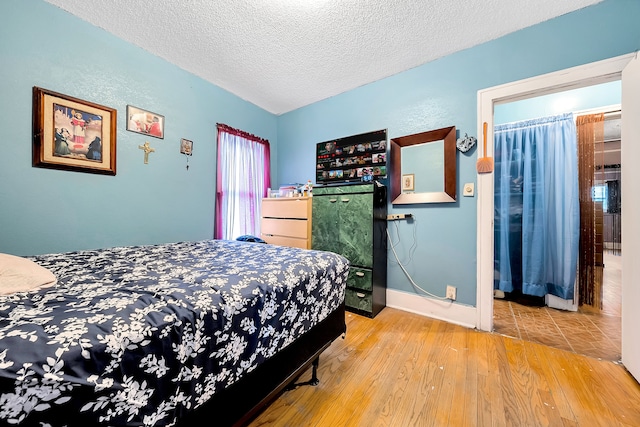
[468,189]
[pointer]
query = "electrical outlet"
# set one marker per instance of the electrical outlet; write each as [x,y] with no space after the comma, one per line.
[451,292]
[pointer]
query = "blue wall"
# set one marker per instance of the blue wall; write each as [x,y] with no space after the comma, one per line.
[444,93]
[44,210]
[586,98]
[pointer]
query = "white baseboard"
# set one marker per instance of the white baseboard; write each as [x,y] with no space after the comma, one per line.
[448,311]
[559,303]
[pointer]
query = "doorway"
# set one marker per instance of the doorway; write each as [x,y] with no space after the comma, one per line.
[587,324]
[627,68]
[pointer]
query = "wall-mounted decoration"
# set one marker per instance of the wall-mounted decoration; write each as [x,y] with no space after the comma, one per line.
[145,122]
[408,182]
[147,149]
[73,134]
[465,144]
[186,148]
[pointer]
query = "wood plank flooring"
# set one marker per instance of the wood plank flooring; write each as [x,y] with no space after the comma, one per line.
[403,369]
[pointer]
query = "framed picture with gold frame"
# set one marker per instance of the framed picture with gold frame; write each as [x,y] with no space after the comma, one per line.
[408,182]
[73,134]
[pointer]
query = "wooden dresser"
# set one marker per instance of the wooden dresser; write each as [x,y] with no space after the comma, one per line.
[286,221]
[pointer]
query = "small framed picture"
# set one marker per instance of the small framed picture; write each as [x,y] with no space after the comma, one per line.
[145,122]
[408,182]
[186,147]
[73,134]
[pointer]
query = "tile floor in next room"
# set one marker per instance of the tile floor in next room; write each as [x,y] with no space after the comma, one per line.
[590,332]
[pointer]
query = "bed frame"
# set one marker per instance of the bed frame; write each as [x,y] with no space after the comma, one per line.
[240,403]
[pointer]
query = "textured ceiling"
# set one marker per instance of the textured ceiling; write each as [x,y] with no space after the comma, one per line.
[285,54]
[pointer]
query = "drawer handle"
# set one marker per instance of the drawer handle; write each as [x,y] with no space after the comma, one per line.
[359,274]
[333,200]
[345,200]
[360,294]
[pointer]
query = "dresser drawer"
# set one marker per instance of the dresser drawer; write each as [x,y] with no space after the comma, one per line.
[360,278]
[286,241]
[290,207]
[359,300]
[285,227]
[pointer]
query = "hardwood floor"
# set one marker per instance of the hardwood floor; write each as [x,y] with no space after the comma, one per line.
[403,369]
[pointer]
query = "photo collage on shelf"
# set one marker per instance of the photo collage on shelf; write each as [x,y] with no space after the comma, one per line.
[357,158]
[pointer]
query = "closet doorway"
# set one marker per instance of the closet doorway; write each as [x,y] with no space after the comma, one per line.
[589,324]
[627,69]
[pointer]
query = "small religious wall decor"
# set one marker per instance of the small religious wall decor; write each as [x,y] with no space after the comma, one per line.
[186,148]
[146,147]
[408,182]
[72,134]
[145,122]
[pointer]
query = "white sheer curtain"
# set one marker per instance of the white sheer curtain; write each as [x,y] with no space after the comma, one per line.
[242,181]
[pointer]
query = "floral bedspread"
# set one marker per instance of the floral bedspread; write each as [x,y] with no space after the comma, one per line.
[139,335]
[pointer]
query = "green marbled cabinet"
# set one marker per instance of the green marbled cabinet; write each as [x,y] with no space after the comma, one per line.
[351,220]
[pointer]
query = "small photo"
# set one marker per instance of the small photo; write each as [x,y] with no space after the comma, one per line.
[379,158]
[329,147]
[186,147]
[145,122]
[408,182]
[379,145]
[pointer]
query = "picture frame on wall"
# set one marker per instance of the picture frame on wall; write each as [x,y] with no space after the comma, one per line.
[145,122]
[73,134]
[186,147]
[408,183]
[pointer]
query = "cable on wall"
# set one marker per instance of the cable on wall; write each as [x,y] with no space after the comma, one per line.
[413,246]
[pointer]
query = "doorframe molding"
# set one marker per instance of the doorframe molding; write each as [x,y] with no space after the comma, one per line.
[594,73]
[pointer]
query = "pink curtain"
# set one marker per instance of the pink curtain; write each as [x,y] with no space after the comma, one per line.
[243,177]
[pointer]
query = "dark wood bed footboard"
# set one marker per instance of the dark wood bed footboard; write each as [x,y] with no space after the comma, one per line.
[243,401]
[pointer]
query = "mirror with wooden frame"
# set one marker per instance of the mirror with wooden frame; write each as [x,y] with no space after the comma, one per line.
[406,183]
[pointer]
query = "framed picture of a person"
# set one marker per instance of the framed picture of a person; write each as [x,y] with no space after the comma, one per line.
[186,147]
[408,182]
[145,122]
[73,134]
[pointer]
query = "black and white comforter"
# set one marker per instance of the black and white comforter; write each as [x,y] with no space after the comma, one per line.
[139,335]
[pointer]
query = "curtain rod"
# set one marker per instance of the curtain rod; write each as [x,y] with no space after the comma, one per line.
[608,111]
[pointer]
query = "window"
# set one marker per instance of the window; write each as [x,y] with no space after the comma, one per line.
[599,193]
[243,176]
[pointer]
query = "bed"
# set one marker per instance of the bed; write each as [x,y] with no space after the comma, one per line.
[163,335]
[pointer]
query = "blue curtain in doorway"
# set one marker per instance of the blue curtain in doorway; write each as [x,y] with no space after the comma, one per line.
[537,213]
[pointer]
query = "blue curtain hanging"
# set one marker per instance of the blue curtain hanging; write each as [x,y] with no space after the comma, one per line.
[537,225]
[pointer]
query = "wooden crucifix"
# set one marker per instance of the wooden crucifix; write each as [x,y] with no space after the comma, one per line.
[147,149]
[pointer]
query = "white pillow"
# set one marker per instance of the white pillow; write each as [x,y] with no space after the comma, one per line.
[19,274]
